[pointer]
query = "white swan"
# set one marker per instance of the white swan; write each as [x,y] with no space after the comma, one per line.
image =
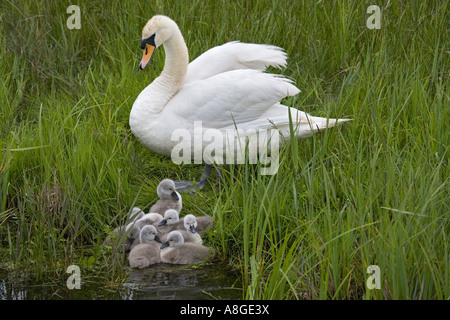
[224,88]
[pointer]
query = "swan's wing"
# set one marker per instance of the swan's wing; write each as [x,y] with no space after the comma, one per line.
[232,56]
[237,97]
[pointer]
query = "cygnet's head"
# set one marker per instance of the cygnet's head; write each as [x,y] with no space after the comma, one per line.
[166,190]
[136,213]
[171,216]
[190,223]
[148,233]
[133,233]
[149,219]
[174,239]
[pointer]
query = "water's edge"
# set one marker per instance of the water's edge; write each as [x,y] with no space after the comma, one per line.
[158,282]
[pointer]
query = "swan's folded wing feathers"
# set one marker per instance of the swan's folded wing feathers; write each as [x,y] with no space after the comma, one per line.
[238,96]
[233,56]
[261,56]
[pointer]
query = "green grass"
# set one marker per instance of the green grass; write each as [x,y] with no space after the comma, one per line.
[372,191]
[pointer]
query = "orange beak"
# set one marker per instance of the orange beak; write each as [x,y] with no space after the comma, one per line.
[148,51]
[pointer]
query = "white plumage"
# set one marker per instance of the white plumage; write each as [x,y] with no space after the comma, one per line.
[224,88]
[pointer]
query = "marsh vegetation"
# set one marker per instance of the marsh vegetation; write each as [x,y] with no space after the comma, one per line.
[374,191]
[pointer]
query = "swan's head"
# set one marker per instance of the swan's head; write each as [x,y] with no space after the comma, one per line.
[174,239]
[158,30]
[190,223]
[148,233]
[166,190]
[170,217]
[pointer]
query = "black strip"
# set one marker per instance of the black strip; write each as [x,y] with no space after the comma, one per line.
[150,40]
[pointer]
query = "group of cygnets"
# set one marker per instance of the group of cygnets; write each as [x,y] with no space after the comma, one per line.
[161,235]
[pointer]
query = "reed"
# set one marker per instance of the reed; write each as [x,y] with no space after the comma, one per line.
[374,191]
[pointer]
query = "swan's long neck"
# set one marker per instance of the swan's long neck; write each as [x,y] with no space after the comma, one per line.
[156,95]
[177,60]
[150,103]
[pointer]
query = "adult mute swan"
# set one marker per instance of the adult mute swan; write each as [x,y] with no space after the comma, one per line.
[224,89]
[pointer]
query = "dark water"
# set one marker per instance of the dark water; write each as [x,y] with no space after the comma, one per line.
[159,282]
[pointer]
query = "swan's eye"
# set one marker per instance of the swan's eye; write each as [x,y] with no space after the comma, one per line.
[150,40]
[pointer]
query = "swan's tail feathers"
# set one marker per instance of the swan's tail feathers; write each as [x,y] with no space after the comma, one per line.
[317,124]
[309,125]
[260,56]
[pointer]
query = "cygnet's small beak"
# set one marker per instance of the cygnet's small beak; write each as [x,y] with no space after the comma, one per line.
[157,239]
[192,228]
[175,195]
[165,244]
[163,222]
